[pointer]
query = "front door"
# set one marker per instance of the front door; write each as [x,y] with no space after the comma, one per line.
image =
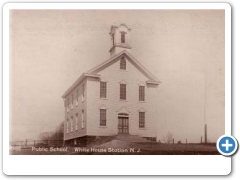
[123,125]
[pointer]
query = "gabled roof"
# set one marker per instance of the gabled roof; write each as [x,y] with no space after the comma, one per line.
[93,72]
[105,64]
[78,81]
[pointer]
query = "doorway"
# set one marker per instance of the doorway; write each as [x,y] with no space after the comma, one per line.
[123,123]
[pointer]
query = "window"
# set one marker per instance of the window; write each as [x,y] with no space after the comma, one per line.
[103,118]
[103,89]
[113,39]
[71,124]
[76,121]
[82,119]
[141,93]
[141,119]
[67,126]
[123,91]
[77,98]
[72,102]
[123,64]
[123,37]
[67,104]
[83,92]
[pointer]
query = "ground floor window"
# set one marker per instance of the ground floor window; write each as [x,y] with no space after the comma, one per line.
[82,119]
[141,119]
[76,123]
[103,117]
[72,124]
[67,126]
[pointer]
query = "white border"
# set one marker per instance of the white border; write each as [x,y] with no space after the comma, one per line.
[109,164]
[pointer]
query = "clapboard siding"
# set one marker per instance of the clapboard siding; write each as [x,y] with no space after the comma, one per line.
[82,105]
[114,76]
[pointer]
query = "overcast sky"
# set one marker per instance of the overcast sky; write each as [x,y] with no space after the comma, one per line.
[50,49]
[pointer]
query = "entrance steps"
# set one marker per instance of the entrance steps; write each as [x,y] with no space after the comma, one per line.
[124,141]
[131,138]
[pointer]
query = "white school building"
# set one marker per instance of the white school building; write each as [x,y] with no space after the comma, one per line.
[116,97]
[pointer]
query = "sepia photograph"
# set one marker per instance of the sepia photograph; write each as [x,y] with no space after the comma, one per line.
[116,82]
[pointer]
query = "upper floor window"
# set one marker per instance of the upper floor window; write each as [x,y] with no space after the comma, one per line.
[113,39]
[103,117]
[123,64]
[141,93]
[72,102]
[103,89]
[141,119]
[77,98]
[83,92]
[123,37]
[123,94]
[67,104]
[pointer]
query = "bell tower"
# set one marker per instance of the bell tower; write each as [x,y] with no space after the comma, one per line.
[120,36]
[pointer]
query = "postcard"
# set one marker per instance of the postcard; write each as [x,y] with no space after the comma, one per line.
[131,85]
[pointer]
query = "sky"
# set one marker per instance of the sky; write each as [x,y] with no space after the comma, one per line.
[184,49]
